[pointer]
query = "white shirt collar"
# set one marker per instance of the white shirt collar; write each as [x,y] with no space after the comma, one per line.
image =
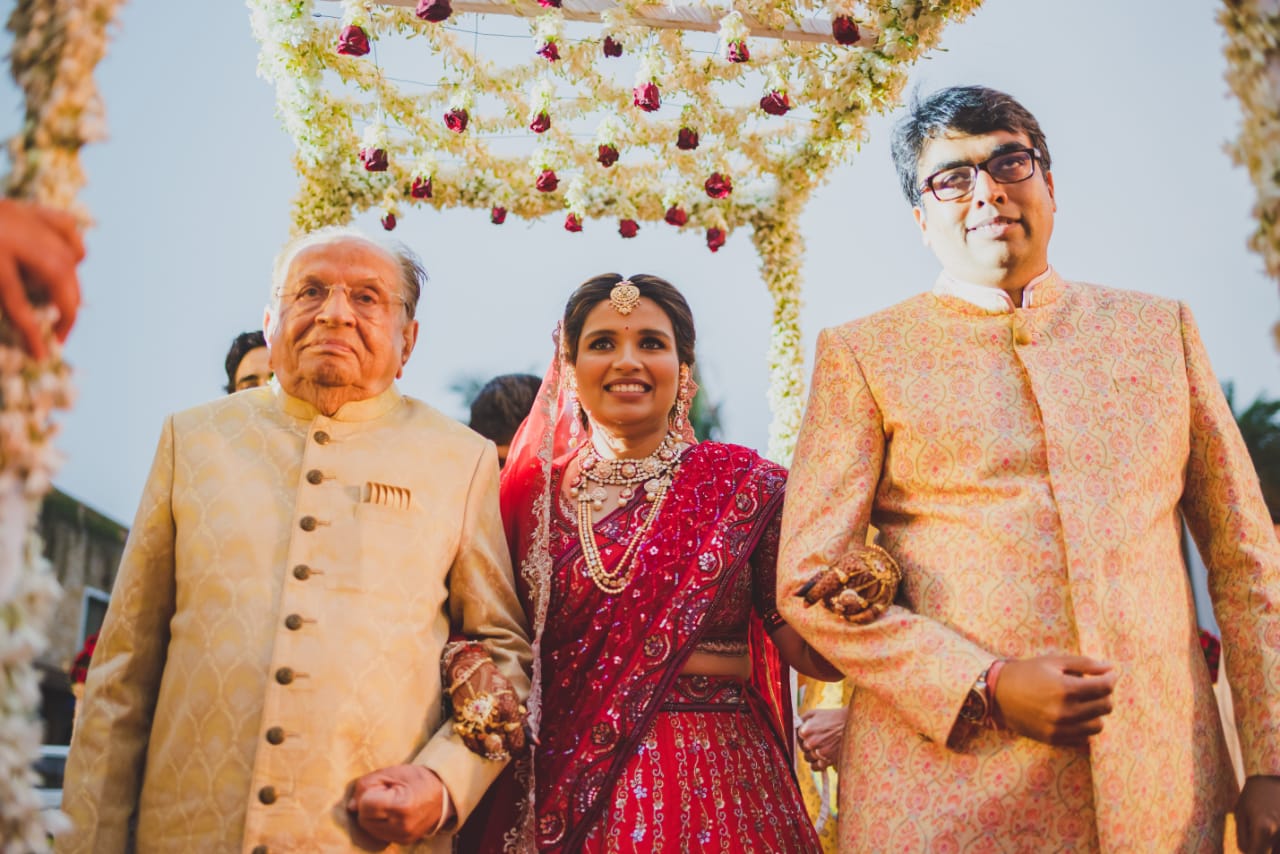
[985,296]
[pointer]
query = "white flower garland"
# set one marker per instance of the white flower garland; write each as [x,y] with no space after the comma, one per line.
[660,170]
[57,44]
[1253,72]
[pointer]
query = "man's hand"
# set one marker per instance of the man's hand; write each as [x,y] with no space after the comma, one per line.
[1056,699]
[1258,816]
[399,804]
[39,250]
[821,734]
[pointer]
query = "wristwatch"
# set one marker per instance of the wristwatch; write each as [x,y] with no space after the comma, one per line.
[976,710]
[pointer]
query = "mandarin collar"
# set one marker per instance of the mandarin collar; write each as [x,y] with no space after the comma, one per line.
[1041,290]
[353,410]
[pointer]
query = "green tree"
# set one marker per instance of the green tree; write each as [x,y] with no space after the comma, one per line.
[1261,434]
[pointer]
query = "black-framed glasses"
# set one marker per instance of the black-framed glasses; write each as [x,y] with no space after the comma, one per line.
[1008,167]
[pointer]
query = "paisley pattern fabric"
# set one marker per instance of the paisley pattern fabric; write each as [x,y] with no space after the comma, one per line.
[1027,469]
[611,663]
[277,622]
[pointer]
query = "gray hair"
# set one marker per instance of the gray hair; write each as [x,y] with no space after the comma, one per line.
[412,274]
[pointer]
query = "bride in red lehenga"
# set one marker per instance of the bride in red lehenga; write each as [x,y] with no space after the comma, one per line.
[646,564]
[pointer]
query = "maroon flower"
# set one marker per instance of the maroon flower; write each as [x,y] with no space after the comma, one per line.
[374,159]
[550,4]
[353,41]
[541,122]
[776,103]
[646,97]
[718,186]
[676,216]
[434,11]
[421,188]
[389,222]
[612,47]
[547,181]
[628,228]
[715,239]
[607,155]
[456,120]
[687,140]
[497,215]
[573,222]
[845,30]
[549,52]
[738,51]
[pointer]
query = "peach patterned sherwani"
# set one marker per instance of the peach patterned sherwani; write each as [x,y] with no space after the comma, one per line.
[1027,467]
[276,627]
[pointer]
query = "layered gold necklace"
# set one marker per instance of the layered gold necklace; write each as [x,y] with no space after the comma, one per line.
[594,473]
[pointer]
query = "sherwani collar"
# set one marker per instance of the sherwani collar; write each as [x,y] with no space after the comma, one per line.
[355,410]
[1041,290]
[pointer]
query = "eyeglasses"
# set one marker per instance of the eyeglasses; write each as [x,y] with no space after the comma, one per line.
[1010,167]
[368,301]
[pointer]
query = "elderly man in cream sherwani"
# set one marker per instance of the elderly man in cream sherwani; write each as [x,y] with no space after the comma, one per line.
[268,674]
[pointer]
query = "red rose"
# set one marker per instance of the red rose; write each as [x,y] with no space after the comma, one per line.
[715,239]
[456,120]
[573,222]
[628,228]
[353,41]
[718,186]
[540,123]
[612,47]
[687,140]
[607,155]
[497,215]
[421,188]
[434,11]
[776,103]
[549,52]
[550,4]
[389,222]
[646,97]
[845,30]
[374,159]
[738,51]
[676,216]
[547,181]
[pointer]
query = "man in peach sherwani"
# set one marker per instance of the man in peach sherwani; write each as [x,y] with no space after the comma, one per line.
[268,675]
[1025,446]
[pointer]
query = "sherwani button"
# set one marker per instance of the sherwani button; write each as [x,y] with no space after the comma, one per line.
[275,735]
[267,794]
[293,622]
[301,572]
[308,523]
[321,437]
[284,675]
[315,476]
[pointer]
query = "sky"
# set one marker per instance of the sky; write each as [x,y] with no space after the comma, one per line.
[192,193]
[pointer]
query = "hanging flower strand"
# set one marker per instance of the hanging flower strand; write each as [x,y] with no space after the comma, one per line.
[540,106]
[607,141]
[353,40]
[373,148]
[733,37]
[645,95]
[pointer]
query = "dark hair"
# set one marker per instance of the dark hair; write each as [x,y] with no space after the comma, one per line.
[968,110]
[243,343]
[502,404]
[596,290]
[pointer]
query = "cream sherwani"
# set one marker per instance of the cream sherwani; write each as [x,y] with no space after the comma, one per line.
[1027,468]
[276,626]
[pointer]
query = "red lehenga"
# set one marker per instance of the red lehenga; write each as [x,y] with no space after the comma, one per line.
[633,755]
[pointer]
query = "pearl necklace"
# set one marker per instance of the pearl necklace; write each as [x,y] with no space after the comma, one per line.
[655,470]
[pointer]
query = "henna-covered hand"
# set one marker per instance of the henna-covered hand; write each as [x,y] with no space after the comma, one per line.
[487,715]
[859,587]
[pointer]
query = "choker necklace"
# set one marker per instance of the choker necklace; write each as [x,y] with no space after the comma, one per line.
[654,471]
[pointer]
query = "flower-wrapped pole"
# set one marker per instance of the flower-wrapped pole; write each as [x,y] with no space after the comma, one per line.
[56,45]
[776,235]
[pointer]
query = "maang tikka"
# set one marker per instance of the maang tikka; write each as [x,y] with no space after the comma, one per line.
[624,297]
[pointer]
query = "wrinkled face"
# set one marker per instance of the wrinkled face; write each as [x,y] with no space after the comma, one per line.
[254,369]
[627,370]
[998,235]
[340,342]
